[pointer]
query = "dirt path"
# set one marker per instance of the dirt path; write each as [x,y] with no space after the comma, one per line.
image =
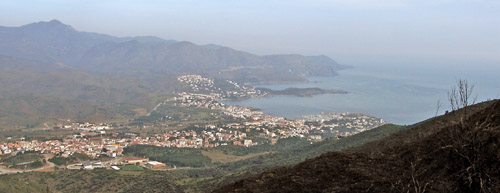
[5,170]
[47,167]
[156,107]
[219,156]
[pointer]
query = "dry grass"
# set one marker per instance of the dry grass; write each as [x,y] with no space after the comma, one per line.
[140,111]
[221,157]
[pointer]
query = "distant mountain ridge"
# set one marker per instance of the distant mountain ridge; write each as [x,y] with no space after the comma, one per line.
[55,42]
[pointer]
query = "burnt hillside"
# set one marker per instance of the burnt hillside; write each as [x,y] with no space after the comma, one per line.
[438,155]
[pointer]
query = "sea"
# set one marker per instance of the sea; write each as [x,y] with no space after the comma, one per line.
[401,97]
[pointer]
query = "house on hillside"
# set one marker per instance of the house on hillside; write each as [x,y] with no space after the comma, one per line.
[87,165]
[155,164]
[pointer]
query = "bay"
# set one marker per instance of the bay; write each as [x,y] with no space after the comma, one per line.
[402,99]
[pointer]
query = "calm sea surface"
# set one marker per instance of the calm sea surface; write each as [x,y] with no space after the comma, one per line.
[402,99]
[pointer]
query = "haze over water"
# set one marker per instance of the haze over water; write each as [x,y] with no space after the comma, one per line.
[405,97]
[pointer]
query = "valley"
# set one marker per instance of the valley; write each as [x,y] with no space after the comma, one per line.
[91,112]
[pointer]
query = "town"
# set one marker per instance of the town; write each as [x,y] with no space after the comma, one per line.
[220,89]
[249,128]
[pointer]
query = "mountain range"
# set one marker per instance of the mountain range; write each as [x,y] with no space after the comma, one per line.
[50,71]
[65,47]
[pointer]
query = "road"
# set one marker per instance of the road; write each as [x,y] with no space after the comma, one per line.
[156,107]
[48,165]
[109,163]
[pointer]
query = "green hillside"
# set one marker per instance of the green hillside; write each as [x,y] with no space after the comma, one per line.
[29,99]
[90,181]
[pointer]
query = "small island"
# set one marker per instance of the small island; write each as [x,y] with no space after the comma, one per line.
[302,92]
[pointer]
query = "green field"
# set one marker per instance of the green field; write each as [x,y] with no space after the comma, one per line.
[181,157]
[131,168]
[178,114]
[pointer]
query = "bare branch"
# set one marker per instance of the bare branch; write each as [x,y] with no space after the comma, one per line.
[438,106]
[460,97]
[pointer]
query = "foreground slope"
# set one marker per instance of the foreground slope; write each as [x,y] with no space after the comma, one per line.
[294,154]
[451,156]
[89,181]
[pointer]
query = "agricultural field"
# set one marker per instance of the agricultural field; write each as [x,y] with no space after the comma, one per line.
[131,168]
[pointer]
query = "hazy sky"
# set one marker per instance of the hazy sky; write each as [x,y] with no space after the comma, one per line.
[351,31]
